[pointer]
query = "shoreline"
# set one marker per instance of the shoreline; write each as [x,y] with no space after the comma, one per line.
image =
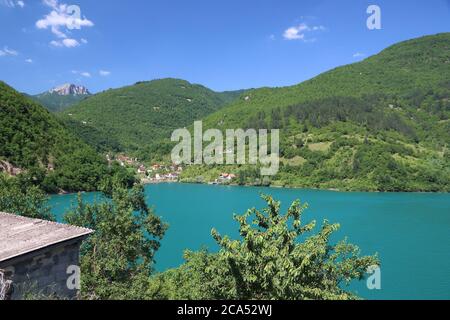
[297,188]
[266,187]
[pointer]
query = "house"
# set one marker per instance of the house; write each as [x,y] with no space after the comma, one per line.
[142,169]
[227,177]
[156,167]
[172,176]
[40,256]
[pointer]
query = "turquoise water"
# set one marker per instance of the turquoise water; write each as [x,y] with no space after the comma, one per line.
[410,232]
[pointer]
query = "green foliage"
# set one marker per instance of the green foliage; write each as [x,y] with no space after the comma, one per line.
[23,199]
[138,118]
[193,280]
[34,140]
[118,177]
[274,259]
[55,102]
[89,134]
[118,259]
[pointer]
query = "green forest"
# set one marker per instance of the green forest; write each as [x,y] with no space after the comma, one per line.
[46,152]
[55,102]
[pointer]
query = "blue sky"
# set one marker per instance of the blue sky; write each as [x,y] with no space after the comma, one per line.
[224,45]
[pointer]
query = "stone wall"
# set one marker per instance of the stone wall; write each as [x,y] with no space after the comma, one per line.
[5,286]
[43,273]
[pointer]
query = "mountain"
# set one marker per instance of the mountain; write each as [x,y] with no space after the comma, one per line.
[62,97]
[136,118]
[35,143]
[70,89]
[382,124]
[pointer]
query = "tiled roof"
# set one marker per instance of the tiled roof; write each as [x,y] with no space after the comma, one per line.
[20,235]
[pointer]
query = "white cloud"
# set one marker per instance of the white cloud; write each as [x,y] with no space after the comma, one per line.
[83,40]
[104,73]
[29,60]
[295,33]
[61,19]
[12,3]
[318,28]
[55,43]
[359,55]
[81,73]
[68,43]
[8,52]
[51,3]
[56,20]
[299,32]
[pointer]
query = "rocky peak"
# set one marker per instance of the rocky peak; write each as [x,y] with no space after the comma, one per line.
[70,89]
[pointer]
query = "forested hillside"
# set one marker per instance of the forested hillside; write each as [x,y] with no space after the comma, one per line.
[55,102]
[137,118]
[381,125]
[41,150]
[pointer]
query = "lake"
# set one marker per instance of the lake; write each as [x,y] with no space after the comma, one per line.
[409,231]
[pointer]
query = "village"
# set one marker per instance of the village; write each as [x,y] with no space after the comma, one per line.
[156,173]
[161,173]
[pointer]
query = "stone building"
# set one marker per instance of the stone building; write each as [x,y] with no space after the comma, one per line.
[40,256]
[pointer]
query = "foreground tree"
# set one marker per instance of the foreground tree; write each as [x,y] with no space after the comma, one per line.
[117,261]
[25,199]
[275,259]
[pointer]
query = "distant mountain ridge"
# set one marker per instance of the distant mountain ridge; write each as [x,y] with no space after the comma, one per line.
[70,89]
[62,97]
